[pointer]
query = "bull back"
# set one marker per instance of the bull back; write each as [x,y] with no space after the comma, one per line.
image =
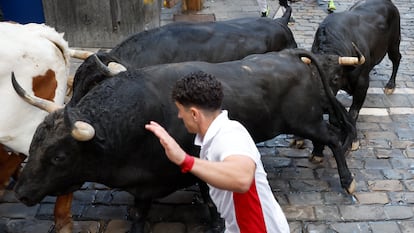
[184,41]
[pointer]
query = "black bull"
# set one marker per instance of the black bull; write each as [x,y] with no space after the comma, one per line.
[270,94]
[374,27]
[209,41]
[215,42]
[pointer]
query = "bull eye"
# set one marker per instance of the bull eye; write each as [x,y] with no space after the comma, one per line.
[59,158]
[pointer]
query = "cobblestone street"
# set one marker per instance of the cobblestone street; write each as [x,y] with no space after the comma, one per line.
[309,194]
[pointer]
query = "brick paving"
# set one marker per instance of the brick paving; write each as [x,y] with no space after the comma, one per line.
[309,194]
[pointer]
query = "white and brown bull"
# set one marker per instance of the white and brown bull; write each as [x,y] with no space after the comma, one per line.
[40,55]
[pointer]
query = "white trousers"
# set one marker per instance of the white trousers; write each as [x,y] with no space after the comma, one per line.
[262,5]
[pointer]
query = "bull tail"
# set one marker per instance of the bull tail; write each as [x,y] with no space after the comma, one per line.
[346,123]
[288,11]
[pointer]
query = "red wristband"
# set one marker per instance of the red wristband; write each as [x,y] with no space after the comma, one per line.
[187,164]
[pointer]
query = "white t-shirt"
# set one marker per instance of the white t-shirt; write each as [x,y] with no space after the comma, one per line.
[255,211]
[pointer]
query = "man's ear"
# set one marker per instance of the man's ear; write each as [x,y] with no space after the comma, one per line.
[195,113]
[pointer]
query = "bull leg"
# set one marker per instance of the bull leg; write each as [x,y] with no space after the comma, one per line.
[4,178]
[317,153]
[346,178]
[355,141]
[355,144]
[184,6]
[62,213]
[138,215]
[18,170]
[323,134]
[359,96]
[4,155]
[217,223]
[297,142]
[339,151]
[9,164]
[395,56]
[357,102]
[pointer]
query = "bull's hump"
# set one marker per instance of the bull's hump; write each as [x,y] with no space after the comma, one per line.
[44,86]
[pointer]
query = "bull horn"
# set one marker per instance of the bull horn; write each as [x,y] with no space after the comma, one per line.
[112,69]
[306,60]
[69,85]
[82,131]
[43,104]
[116,67]
[348,61]
[361,57]
[80,54]
[351,61]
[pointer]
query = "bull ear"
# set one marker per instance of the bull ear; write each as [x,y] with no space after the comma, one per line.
[82,131]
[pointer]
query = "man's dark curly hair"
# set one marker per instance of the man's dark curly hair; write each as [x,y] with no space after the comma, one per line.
[200,89]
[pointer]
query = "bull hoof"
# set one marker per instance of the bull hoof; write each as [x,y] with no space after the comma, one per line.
[297,143]
[355,145]
[3,185]
[140,227]
[67,228]
[315,159]
[352,187]
[389,91]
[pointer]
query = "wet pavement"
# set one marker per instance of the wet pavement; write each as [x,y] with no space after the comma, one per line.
[309,194]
